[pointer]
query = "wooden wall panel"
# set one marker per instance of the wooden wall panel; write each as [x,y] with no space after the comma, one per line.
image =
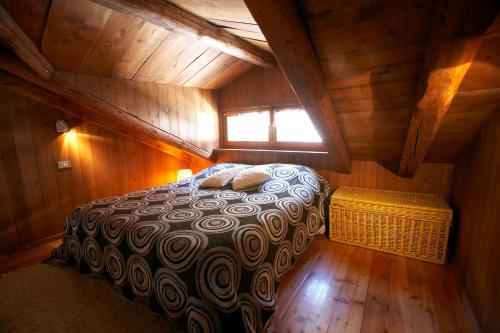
[188,113]
[257,87]
[476,195]
[430,178]
[35,197]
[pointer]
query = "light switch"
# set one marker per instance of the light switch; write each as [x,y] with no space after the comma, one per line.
[61,165]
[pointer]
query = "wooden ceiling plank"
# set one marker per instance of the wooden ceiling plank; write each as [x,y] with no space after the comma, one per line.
[358,12]
[287,37]
[213,69]
[90,106]
[367,61]
[405,29]
[375,91]
[227,10]
[14,38]
[455,37]
[232,14]
[195,66]
[375,75]
[188,55]
[261,44]
[228,75]
[71,31]
[246,34]
[171,17]
[249,27]
[162,59]
[122,47]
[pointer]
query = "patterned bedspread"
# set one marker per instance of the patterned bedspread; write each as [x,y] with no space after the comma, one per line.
[213,257]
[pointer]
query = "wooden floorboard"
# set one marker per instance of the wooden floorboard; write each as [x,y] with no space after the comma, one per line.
[336,287]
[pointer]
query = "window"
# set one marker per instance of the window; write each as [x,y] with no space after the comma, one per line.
[271,128]
[249,126]
[294,125]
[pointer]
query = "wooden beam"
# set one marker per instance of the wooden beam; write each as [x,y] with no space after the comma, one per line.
[280,23]
[14,38]
[72,100]
[455,37]
[171,17]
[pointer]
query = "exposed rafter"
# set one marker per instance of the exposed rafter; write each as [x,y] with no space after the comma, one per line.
[72,100]
[455,37]
[14,38]
[171,17]
[281,25]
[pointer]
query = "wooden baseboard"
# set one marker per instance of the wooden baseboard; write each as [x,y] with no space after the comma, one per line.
[29,256]
[33,244]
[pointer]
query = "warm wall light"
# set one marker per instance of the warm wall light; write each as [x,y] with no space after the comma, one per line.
[62,126]
[183,174]
[70,136]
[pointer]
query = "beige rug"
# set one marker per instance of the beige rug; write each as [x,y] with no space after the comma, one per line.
[44,298]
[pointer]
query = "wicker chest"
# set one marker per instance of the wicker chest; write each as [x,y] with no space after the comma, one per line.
[410,224]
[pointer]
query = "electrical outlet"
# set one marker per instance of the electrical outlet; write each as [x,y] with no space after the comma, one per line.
[61,165]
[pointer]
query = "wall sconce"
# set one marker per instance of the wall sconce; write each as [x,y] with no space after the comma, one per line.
[183,174]
[62,126]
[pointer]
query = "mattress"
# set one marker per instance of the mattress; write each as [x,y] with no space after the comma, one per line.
[211,257]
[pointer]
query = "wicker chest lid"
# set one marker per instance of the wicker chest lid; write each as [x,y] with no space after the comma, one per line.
[414,201]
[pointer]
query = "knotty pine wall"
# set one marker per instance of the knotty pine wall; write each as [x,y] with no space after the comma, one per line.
[35,197]
[188,113]
[476,197]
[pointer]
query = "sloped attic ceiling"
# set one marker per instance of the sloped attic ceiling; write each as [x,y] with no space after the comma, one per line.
[80,36]
[371,55]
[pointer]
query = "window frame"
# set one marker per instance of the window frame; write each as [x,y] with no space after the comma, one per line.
[272,143]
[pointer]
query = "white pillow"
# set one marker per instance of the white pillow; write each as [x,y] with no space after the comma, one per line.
[220,179]
[250,177]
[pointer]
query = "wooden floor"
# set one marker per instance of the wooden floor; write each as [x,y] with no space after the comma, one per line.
[340,288]
[336,287]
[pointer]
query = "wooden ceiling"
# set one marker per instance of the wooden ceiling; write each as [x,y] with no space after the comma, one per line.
[231,15]
[477,98]
[83,37]
[371,54]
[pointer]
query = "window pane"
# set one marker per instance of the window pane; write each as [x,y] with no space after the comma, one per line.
[294,125]
[249,126]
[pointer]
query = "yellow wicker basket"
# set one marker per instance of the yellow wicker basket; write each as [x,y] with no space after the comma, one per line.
[410,224]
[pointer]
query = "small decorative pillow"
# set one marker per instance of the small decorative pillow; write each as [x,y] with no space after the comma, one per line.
[220,179]
[250,177]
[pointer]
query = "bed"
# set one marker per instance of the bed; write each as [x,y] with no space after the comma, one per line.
[211,257]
